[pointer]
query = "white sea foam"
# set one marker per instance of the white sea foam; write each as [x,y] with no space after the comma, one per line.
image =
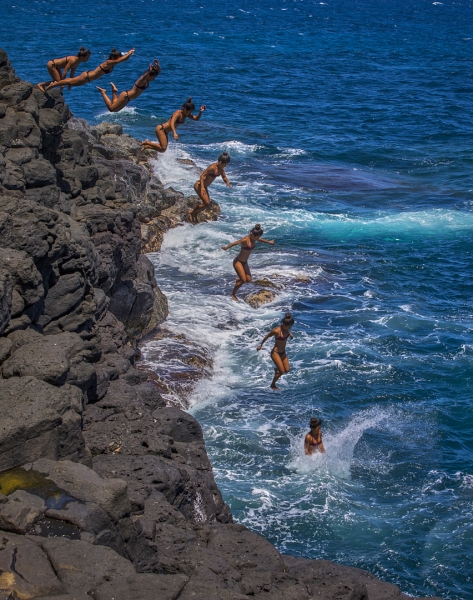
[339,446]
[108,116]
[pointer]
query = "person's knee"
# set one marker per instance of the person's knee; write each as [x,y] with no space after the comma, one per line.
[248,278]
[287,369]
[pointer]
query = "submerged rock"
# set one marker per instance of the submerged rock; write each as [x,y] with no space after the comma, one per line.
[257,299]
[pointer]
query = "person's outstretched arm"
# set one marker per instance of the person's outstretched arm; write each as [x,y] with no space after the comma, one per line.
[266,241]
[115,61]
[196,118]
[234,244]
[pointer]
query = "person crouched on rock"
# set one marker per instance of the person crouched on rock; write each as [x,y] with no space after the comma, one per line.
[118,102]
[240,263]
[208,176]
[313,440]
[178,117]
[278,353]
[58,68]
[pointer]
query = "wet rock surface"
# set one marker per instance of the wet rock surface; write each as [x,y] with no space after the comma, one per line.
[105,491]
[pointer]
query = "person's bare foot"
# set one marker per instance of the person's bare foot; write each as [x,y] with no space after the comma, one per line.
[191,216]
[233,297]
[145,145]
[114,87]
[41,87]
[103,90]
[273,387]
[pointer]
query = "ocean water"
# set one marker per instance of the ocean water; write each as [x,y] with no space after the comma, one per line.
[349,126]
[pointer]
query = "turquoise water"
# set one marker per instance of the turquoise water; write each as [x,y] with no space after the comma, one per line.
[349,126]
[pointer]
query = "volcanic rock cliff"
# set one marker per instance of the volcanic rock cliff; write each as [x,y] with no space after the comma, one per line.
[106,491]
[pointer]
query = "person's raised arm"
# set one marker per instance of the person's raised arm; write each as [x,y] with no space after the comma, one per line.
[235,243]
[266,241]
[225,179]
[115,61]
[196,118]
[266,337]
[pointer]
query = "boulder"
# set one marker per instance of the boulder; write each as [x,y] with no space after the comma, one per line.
[257,299]
[25,571]
[82,567]
[20,512]
[26,277]
[86,485]
[49,358]
[38,419]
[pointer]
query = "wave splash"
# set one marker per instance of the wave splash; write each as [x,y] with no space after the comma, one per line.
[339,447]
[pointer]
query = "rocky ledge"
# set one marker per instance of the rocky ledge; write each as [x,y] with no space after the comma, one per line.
[106,492]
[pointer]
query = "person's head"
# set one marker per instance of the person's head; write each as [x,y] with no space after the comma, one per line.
[224,158]
[257,231]
[114,54]
[188,105]
[288,321]
[315,423]
[84,54]
[154,69]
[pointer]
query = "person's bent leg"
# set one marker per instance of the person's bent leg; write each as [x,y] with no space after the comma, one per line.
[114,91]
[159,147]
[204,196]
[108,102]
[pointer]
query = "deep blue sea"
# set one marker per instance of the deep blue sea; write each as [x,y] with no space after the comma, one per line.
[350,129]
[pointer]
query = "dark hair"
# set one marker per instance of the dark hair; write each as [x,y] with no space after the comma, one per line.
[257,230]
[288,321]
[114,54]
[83,52]
[188,104]
[224,158]
[154,69]
[314,422]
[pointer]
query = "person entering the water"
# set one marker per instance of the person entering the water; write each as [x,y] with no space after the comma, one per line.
[58,68]
[313,440]
[178,117]
[208,176]
[240,263]
[104,68]
[120,101]
[278,353]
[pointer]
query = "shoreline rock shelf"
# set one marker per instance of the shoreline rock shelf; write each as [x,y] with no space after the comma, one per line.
[104,490]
